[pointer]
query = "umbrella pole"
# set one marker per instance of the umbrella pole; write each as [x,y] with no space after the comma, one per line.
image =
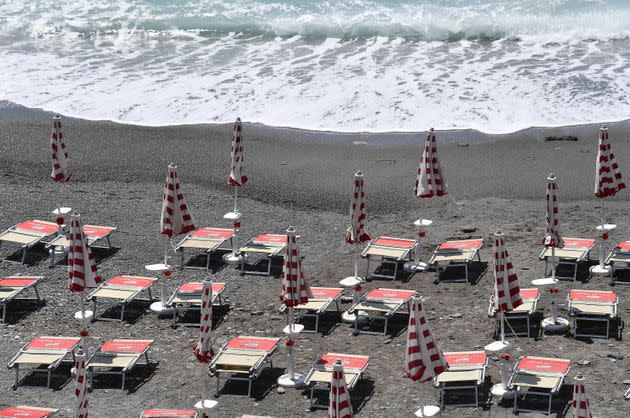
[554,309]
[235,197]
[163,290]
[83,327]
[290,367]
[502,318]
[602,255]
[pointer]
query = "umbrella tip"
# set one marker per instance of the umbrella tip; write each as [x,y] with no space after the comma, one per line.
[603,128]
[579,376]
[171,165]
[551,177]
[57,116]
[499,232]
[290,230]
[358,173]
[431,130]
[238,119]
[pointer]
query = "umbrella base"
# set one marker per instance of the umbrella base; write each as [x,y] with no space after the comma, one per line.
[413,267]
[293,329]
[600,270]
[497,347]
[80,315]
[350,318]
[231,258]
[559,325]
[161,309]
[206,405]
[350,282]
[500,392]
[286,382]
[428,411]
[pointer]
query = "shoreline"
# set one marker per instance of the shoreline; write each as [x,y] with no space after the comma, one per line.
[11,110]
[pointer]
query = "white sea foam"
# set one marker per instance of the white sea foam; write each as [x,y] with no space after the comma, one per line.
[353,65]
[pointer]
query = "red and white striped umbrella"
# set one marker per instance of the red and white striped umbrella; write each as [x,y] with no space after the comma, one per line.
[203,349]
[424,358]
[176,218]
[507,295]
[608,179]
[59,153]
[429,181]
[80,385]
[356,231]
[581,405]
[339,402]
[553,237]
[236,177]
[82,272]
[295,288]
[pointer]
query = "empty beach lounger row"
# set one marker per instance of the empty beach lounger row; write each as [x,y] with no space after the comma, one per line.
[13,288]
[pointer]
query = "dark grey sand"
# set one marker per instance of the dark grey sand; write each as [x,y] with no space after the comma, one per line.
[304,180]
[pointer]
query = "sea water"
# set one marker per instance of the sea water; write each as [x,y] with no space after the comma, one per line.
[342,65]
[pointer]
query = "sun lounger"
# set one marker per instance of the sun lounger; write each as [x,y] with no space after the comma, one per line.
[381,304]
[208,240]
[93,234]
[619,259]
[27,234]
[24,411]
[12,287]
[391,251]
[530,298]
[575,251]
[120,291]
[456,254]
[466,372]
[118,357]
[322,298]
[538,376]
[169,413]
[43,355]
[243,358]
[187,297]
[321,373]
[592,306]
[262,248]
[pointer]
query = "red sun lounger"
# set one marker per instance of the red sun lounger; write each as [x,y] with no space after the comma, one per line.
[262,248]
[619,259]
[466,372]
[530,298]
[381,304]
[322,298]
[28,234]
[207,240]
[592,306]
[574,252]
[243,358]
[538,376]
[12,287]
[454,254]
[120,291]
[93,234]
[43,355]
[187,297]
[169,413]
[320,375]
[118,357]
[23,411]
[391,251]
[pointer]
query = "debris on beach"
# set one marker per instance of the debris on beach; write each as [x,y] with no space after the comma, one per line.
[561,138]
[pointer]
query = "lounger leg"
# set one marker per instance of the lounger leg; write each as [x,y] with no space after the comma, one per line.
[109,243]
[242,265]
[174,320]
[367,267]
[181,259]
[385,329]
[269,267]
[208,260]
[17,375]
[549,408]
[356,323]
[316,324]
[52,257]
[466,269]
[574,273]
[249,388]
[93,309]
[476,397]
[4,313]
[312,394]
[48,383]
[608,328]
[122,312]
[37,294]
[123,381]
[23,255]
[395,271]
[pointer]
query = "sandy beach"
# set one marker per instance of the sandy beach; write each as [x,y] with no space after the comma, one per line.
[304,179]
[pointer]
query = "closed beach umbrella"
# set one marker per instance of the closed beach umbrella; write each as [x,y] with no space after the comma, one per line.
[82,271]
[236,177]
[608,179]
[356,231]
[430,180]
[507,294]
[553,239]
[80,385]
[581,405]
[176,218]
[203,349]
[339,399]
[59,153]
[424,359]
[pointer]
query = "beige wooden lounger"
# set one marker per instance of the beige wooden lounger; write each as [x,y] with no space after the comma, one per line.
[118,357]
[13,286]
[456,254]
[575,251]
[43,355]
[120,291]
[592,306]
[619,259]
[530,298]
[381,304]
[264,247]
[538,376]
[391,251]
[92,233]
[321,373]
[466,371]
[207,240]
[187,297]
[27,411]
[322,298]
[28,234]
[243,358]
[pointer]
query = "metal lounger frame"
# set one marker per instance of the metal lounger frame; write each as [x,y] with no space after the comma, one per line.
[185,307]
[475,252]
[617,264]
[474,386]
[208,253]
[527,316]
[585,256]
[259,257]
[320,386]
[91,241]
[123,372]
[37,297]
[382,316]
[48,370]
[316,314]
[592,317]
[117,302]
[24,247]
[549,394]
[385,260]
